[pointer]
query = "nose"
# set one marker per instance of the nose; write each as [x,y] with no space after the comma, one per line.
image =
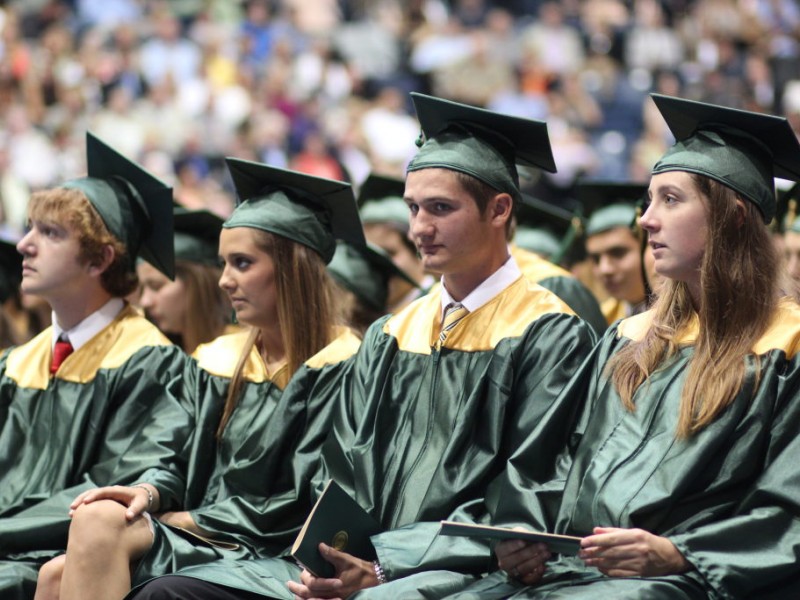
[225,280]
[605,266]
[146,298]
[421,225]
[25,245]
[648,221]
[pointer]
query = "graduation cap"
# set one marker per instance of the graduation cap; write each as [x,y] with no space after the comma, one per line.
[135,206]
[481,143]
[309,210]
[197,235]
[610,204]
[10,268]
[741,149]
[365,270]
[545,228]
[380,200]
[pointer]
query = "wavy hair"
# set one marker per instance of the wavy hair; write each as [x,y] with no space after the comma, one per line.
[740,282]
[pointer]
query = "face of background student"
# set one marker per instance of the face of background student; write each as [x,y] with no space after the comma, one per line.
[617,263]
[50,266]
[391,240]
[451,235]
[248,277]
[791,250]
[163,301]
[676,224]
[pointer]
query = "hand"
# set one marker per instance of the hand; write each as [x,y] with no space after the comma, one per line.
[135,498]
[522,561]
[352,575]
[631,552]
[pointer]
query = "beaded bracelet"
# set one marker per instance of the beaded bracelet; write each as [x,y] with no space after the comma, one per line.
[149,494]
[379,574]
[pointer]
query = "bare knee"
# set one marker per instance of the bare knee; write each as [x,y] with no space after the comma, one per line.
[49,580]
[101,527]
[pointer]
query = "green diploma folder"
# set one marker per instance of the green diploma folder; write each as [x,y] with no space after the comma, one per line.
[336,520]
[567,545]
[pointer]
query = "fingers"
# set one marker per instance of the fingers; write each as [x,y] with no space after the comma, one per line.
[524,562]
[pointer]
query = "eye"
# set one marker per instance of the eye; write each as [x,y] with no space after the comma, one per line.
[241,263]
[413,208]
[441,207]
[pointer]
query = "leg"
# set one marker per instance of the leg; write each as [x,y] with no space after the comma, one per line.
[177,587]
[102,544]
[48,584]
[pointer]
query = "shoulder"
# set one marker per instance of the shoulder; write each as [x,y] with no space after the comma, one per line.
[220,356]
[343,347]
[783,332]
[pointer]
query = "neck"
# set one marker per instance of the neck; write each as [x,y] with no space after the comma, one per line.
[461,285]
[71,311]
[272,347]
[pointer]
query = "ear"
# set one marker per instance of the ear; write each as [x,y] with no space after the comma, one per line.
[741,212]
[500,209]
[97,269]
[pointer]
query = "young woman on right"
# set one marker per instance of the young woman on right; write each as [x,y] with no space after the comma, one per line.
[681,477]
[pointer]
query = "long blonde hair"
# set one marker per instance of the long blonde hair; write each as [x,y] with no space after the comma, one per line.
[739,281]
[306,310]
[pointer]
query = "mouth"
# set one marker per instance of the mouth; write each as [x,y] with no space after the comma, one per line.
[656,245]
[428,248]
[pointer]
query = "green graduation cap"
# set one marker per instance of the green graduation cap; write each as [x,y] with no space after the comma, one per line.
[134,205]
[479,142]
[10,268]
[312,211]
[197,235]
[610,204]
[365,270]
[380,200]
[741,149]
[545,228]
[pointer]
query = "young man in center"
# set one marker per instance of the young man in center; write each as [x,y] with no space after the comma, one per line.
[442,393]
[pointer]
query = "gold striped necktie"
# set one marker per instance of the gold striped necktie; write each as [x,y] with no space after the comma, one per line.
[453,313]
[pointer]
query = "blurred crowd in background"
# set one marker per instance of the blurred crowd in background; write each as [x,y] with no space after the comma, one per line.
[321,86]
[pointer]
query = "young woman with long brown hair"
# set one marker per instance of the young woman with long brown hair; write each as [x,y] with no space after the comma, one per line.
[257,435]
[681,478]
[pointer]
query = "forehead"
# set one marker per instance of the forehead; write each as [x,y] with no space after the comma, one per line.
[675,180]
[239,239]
[433,183]
[613,238]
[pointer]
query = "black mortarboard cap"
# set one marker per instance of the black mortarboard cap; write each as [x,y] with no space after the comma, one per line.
[380,200]
[197,235]
[741,149]
[484,144]
[610,204]
[312,211]
[134,205]
[365,270]
[545,228]
[10,268]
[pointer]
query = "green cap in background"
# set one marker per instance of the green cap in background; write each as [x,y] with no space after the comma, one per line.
[545,228]
[365,270]
[380,200]
[741,149]
[10,268]
[134,205]
[607,205]
[309,210]
[197,236]
[481,143]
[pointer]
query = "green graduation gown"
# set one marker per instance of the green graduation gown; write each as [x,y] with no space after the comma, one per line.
[108,416]
[250,491]
[420,432]
[728,497]
[563,284]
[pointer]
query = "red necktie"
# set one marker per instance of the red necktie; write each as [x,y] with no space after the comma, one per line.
[61,351]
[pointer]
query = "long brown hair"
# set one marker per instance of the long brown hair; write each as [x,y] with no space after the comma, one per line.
[739,281]
[306,309]
[208,310]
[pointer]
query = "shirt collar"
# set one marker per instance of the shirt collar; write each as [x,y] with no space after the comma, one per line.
[90,326]
[488,288]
